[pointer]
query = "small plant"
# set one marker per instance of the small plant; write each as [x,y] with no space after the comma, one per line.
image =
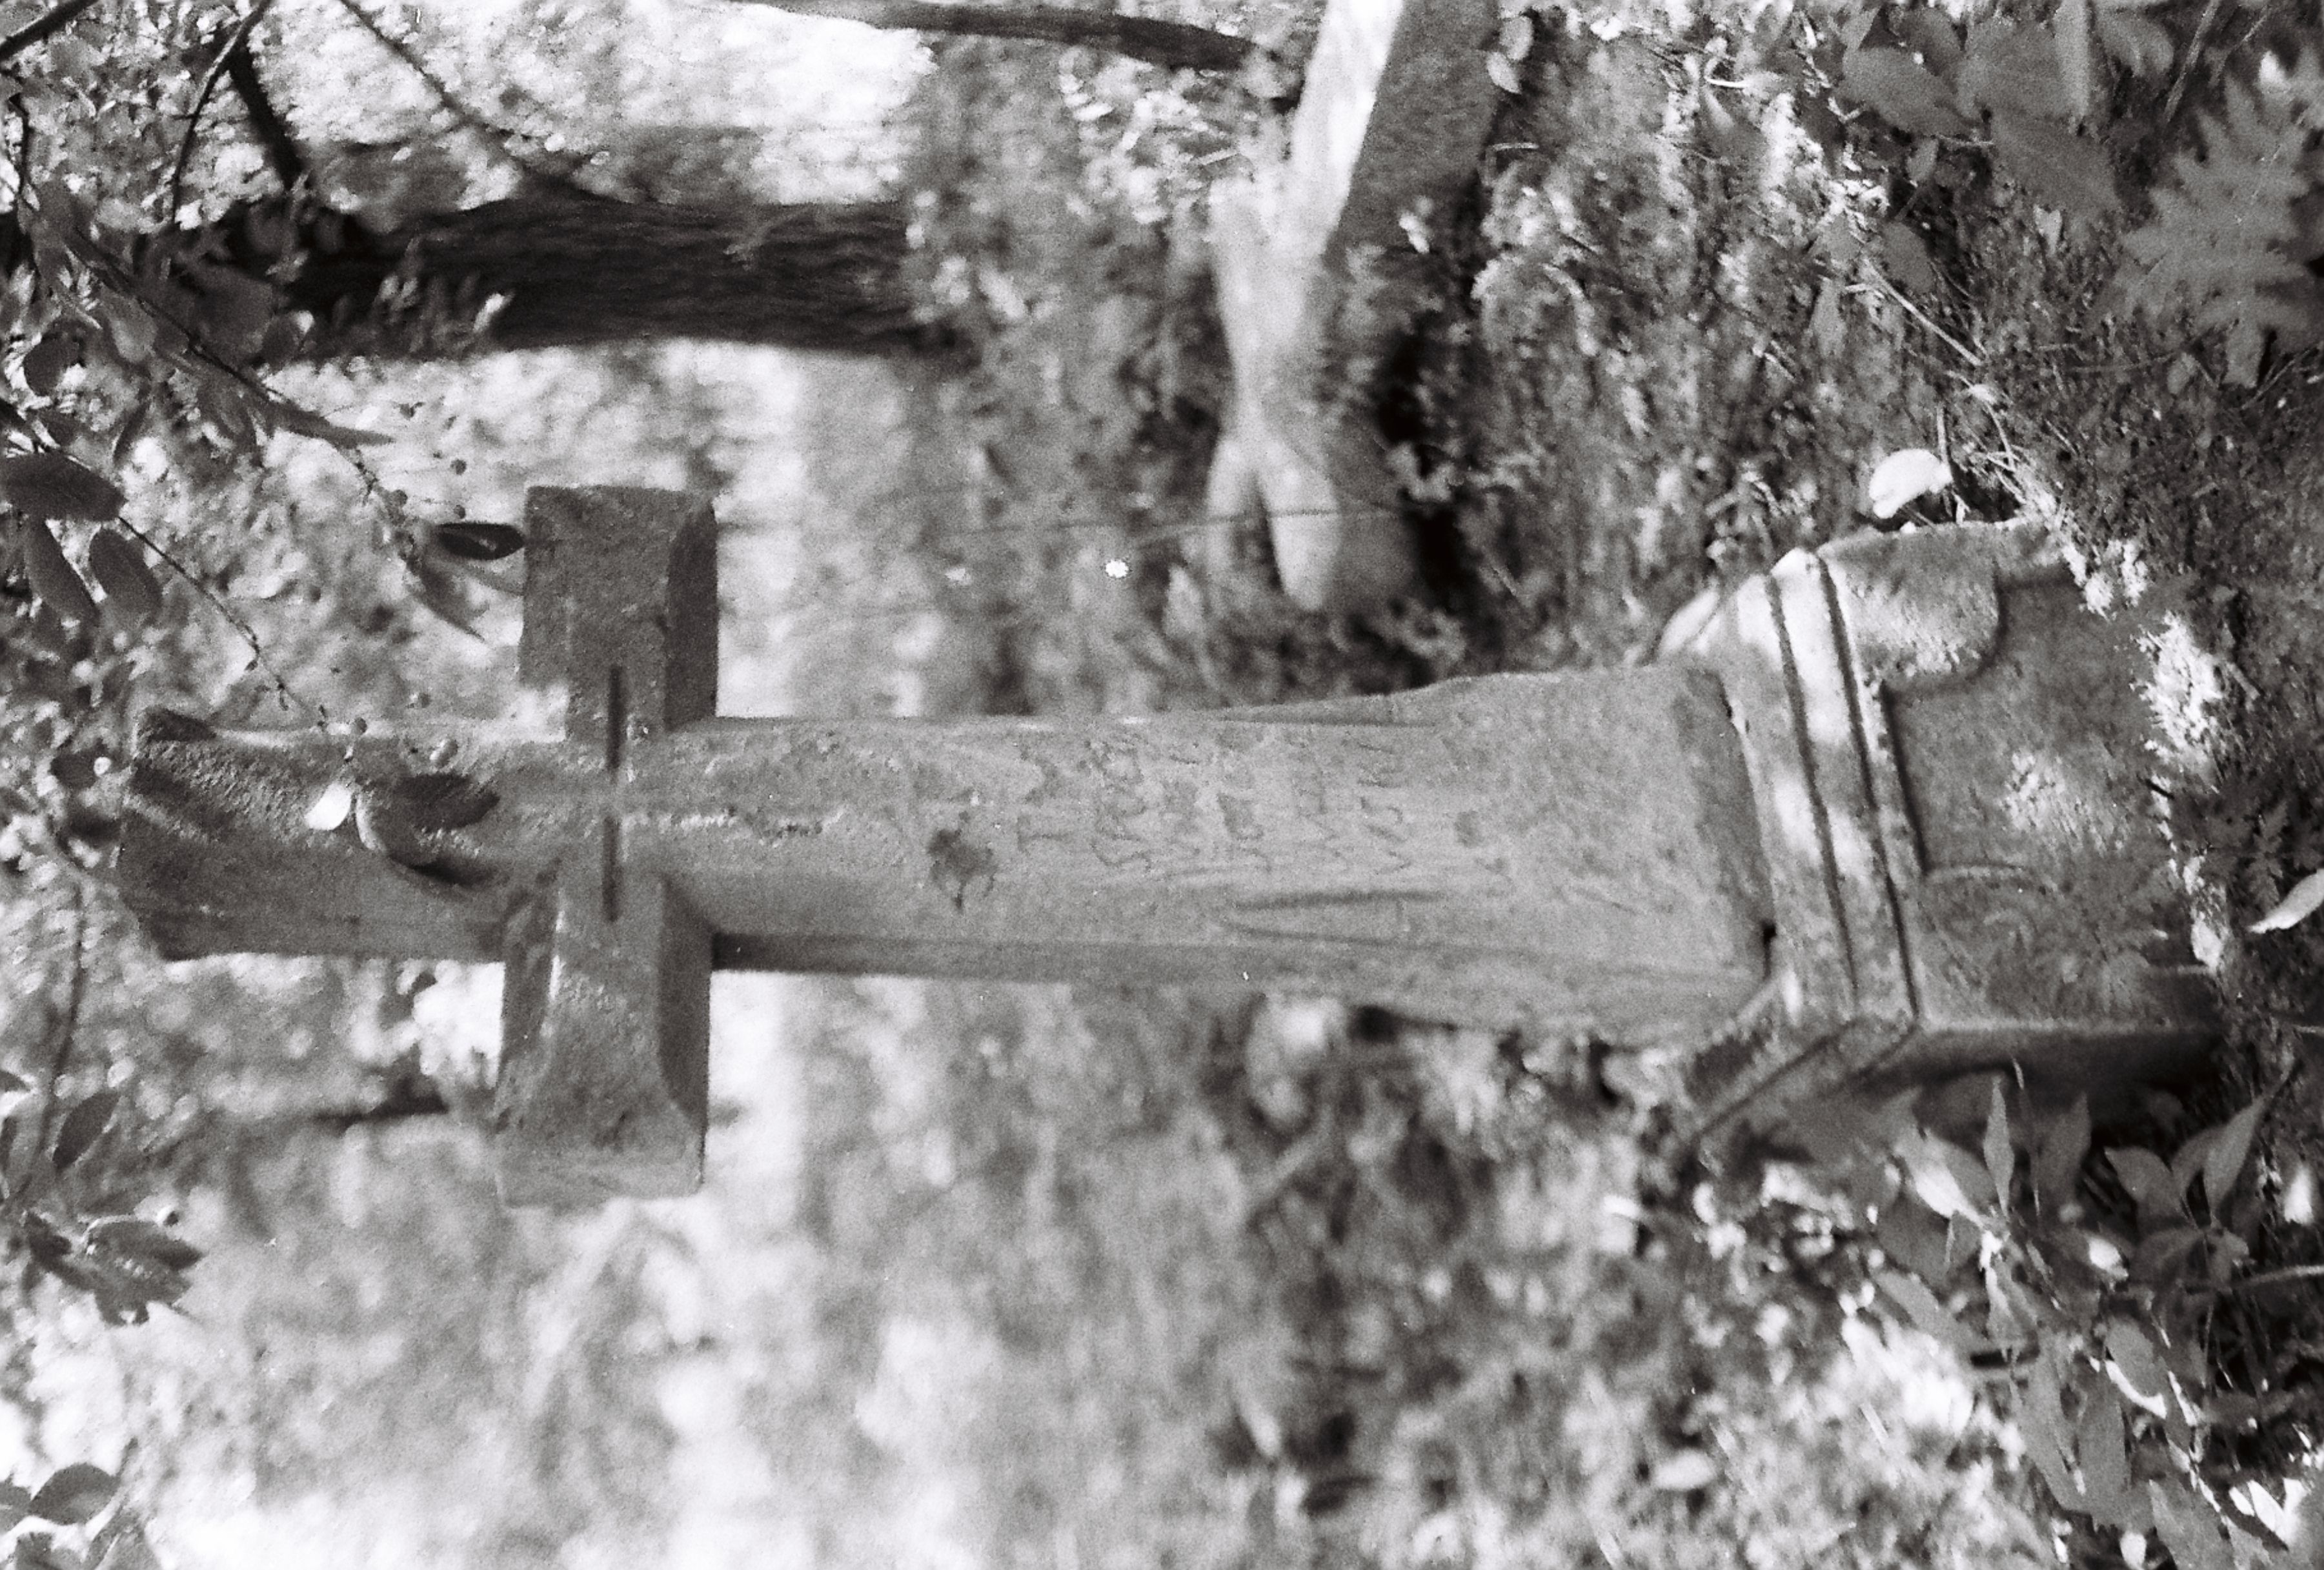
[2231,241]
[73,1497]
[70,1219]
[2020,89]
[2087,1287]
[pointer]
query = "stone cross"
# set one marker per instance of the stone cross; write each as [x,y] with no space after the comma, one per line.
[1662,855]
[1317,275]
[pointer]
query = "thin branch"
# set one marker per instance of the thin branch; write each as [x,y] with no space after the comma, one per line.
[66,1024]
[40,31]
[504,139]
[1920,316]
[2187,61]
[273,130]
[240,40]
[400,1104]
[1175,45]
[19,246]
[2277,1278]
[282,687]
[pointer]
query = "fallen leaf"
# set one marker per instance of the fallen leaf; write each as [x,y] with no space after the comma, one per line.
[2295,906]
[384,824]
[302,421]
[1826,324]
[1904,477]
[330,808]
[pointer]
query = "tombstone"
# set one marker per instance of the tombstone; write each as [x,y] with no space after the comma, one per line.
[1315,274]
[1883,820]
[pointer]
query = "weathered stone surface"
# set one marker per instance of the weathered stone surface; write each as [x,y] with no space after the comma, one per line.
[1576,854]
[1890,805]
[1316,273]
[605,1030]
[1966,866]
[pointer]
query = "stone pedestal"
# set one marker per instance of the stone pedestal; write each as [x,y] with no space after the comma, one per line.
[1948,763]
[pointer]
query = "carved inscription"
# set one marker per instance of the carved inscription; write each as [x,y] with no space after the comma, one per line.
[958,863]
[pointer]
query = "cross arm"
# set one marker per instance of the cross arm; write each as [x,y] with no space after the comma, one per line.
[605,1028]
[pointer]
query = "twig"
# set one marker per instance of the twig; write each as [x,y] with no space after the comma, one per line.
[504,138]
[2187,61]
[68,1020]
[42,29]
[2111,367]
[2276,1278]
[273,130]
[202,98]
[1921,317]
[1173,45]
[403,1103]
[233,619]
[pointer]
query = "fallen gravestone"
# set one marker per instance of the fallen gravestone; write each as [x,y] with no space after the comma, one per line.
[1317,278]
[1886,821]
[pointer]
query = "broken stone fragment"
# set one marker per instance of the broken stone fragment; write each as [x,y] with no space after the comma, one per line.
[1390,127]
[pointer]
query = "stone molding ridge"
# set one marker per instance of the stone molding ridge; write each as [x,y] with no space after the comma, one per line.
[1839,999]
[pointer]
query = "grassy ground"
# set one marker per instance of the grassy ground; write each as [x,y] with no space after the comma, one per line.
[1697,295]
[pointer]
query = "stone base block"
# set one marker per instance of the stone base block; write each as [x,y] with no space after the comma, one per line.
[1967,866]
